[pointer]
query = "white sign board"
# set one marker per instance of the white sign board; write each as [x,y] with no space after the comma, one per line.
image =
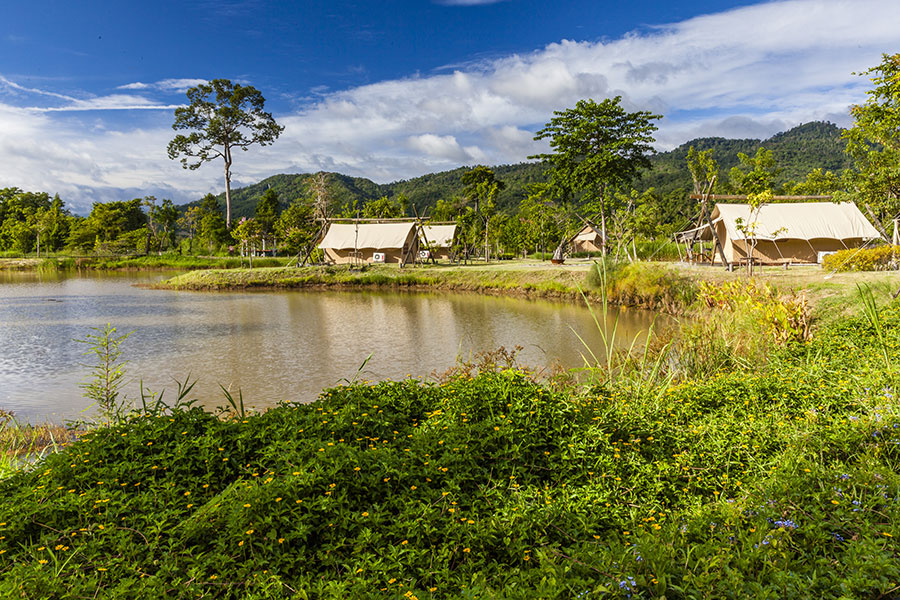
[378,257]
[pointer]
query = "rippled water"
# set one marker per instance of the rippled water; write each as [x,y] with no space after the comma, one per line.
[274,345]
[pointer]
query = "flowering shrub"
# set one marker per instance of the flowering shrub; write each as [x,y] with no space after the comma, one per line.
[882,258]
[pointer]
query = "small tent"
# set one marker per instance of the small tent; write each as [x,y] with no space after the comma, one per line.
[370,242]
[438,239]
[792,233]
[587,240]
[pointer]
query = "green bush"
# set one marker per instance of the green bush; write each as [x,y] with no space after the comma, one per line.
[882,258]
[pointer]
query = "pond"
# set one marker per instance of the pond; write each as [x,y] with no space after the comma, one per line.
[273,346]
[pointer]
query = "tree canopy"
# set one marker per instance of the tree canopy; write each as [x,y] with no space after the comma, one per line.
[874,142]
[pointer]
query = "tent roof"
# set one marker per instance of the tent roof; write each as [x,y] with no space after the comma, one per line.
[587,235]
[347,236]
[792,221]
[440,236]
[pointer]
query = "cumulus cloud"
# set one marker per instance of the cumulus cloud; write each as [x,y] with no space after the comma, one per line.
[747,72]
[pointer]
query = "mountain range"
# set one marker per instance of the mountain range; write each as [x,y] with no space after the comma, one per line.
[796,151]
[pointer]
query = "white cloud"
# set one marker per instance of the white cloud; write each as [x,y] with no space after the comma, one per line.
[748,72]
[165,85]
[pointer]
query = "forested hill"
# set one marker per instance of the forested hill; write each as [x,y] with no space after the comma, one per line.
[797,151]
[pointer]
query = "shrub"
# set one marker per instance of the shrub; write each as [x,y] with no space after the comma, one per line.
[881,258]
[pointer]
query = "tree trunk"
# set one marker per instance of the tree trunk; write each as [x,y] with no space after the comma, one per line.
[228,187]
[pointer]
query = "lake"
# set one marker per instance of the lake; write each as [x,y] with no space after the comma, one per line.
[274,346]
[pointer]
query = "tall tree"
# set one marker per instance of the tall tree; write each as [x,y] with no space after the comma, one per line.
[874,143]
[597,148]
[221,117]
[482,188]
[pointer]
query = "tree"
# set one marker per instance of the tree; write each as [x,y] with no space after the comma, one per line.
[266,214]
[597,148]
[296,227]
[221,116]
[248,233]
[874,143]
[756,174]
[383,208]
[212,229]
[161,220]
[189,221]
[704,172]
[482,188]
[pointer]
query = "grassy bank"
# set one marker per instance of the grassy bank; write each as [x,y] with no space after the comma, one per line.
[537,282]
[133,263]
[771,481]
[662,286]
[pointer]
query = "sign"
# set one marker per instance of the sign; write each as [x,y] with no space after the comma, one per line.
[424,254]
[378,257]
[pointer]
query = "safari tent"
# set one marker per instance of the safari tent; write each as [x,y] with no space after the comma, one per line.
[587,240]
[370,242]
[786,233]
[438,239]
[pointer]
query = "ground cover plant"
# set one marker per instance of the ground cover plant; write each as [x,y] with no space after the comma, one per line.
[777,481]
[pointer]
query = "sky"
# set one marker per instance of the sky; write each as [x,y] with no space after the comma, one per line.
[393,89]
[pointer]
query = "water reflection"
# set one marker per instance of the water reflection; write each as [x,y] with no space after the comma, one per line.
[273,346]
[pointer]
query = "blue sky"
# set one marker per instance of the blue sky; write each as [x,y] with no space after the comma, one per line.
[395,89]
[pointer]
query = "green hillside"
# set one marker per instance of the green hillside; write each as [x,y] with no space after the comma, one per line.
[797,151]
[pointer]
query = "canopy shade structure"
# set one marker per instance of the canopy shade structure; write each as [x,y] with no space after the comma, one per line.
[587,240]
[796,232]
[439,236]
[370,242]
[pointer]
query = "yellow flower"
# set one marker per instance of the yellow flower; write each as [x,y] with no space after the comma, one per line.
[365,514]
[42,562]
[249,532]
[277,499]
[404,542]
[467,549]
[246,506]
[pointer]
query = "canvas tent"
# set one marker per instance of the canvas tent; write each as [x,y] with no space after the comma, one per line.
[587,240]
[792,233]
[370,242]
[439,239]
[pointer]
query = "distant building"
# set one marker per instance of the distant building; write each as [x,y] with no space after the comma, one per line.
[792,233]
[346,243]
